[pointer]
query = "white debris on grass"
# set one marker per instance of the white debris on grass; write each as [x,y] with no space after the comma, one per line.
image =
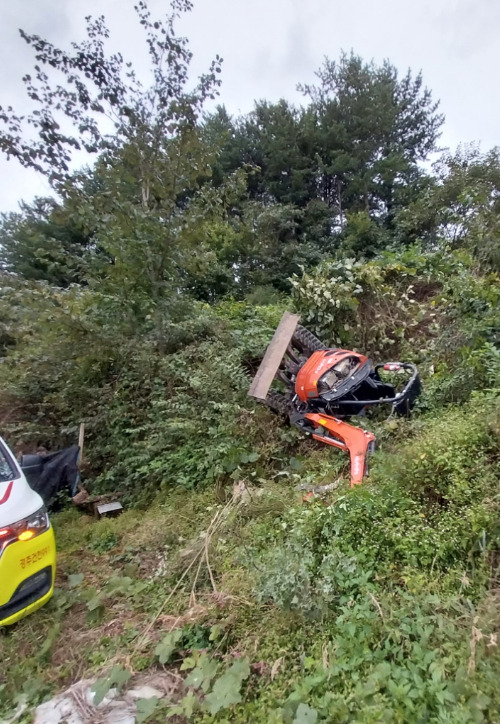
[75,705]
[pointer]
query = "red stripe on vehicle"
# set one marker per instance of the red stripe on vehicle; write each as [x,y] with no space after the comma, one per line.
[7,493]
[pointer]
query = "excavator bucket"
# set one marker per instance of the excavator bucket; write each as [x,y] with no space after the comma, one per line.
[273,356]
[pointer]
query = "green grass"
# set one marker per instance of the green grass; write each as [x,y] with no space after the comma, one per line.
[381,607]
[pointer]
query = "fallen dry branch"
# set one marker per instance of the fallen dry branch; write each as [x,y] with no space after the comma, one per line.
[200,556]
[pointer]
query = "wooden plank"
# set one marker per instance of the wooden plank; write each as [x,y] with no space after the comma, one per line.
[273,356]
[81,435]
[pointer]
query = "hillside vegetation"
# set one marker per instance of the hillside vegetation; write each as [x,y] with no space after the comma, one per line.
[140,300]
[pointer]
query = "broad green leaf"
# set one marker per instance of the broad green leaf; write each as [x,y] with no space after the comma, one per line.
[188,663]
[305,715]
[216,632]
[167,645]
[118,584]
[203,674]
[49,640]
[94,603]
[100,689]
[117,677]
[145,708]
[189,703]
[185,708]
[195,678]
[74,579]
[226,690]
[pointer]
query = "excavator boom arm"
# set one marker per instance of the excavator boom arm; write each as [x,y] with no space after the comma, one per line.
[340,434]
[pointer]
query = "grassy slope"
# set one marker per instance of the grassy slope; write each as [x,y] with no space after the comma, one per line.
[381,607]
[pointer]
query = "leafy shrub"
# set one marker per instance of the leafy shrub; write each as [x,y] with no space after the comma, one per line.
[449,462]
[378,306]
[103,538]
[393,659]
[295,578]
[427,509]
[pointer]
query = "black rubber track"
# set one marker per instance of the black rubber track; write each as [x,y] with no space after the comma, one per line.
[306,341]
[277,402]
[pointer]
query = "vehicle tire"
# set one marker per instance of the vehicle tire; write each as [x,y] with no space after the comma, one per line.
[306,341]
[277,403]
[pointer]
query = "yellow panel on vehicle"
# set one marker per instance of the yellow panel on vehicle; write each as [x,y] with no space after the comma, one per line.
[20,563]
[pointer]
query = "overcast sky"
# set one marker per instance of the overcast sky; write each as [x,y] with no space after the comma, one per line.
[269,46]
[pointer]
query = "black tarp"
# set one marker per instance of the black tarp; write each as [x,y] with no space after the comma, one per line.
[53,473]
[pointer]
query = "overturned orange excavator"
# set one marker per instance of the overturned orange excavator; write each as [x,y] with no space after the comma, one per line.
[324,387]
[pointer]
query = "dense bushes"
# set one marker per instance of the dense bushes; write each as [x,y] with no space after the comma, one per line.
[428,513]
[180,418]
[395,304]
[176,416]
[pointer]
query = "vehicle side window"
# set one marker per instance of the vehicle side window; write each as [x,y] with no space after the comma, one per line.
[6,470]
